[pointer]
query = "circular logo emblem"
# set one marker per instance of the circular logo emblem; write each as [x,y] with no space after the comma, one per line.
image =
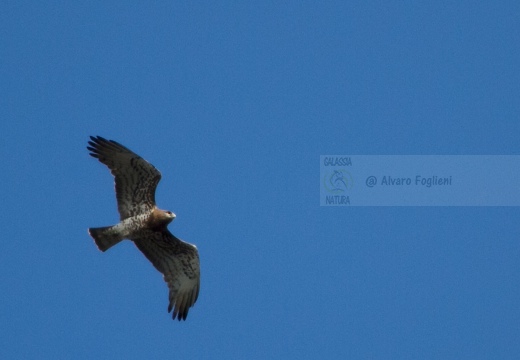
[337,181]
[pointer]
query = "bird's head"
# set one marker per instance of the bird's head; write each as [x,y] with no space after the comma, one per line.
[160,218]
[168,216]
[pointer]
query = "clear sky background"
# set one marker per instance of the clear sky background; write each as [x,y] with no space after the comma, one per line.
[234,103]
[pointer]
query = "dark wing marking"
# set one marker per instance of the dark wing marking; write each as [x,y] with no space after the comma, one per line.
[135,178]
[178,262]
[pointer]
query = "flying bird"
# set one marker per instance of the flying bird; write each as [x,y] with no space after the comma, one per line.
[146,225]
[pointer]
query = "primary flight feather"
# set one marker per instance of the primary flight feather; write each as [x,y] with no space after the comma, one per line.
[146,225]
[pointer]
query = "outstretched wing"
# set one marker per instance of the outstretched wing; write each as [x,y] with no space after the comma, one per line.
[136,179]
[178,262]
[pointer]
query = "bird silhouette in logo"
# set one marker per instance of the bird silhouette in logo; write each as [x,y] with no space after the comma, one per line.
[337,181]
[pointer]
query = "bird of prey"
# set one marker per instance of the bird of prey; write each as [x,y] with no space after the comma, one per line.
[146,225]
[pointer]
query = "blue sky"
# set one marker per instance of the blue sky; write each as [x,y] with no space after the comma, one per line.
[234,103]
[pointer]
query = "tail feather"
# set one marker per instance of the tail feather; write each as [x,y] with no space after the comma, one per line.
[105,237]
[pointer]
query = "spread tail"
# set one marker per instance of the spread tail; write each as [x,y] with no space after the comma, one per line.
[105,237]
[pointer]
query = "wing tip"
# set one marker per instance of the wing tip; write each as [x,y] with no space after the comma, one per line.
[98,142]
[95,145]
[179,311]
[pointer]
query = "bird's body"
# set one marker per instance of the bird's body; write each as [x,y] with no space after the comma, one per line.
[146,225]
